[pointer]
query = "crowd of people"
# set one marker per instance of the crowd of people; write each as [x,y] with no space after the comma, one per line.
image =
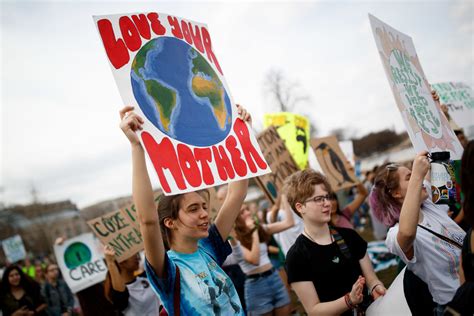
[264,259]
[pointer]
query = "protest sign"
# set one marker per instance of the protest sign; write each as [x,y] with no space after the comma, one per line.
[166,68]
[393,302]
[459,99]
[294,130]
[427,127]
[81,262]
[14,249]
[333,163]
[280,161]
[120,231]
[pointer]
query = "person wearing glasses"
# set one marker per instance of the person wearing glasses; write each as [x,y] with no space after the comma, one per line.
[58,296]
[422,234]
[129,294]
[328,268]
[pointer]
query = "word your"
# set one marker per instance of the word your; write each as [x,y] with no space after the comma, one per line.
[136,29]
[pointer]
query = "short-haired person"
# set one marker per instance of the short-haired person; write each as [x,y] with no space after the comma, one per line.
[402,200]
[328,268]
[181,223]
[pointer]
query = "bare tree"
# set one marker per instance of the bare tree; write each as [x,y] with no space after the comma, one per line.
[287,94]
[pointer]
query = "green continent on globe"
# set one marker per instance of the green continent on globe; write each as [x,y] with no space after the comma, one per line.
[211,89]
[140,58]
[165,100]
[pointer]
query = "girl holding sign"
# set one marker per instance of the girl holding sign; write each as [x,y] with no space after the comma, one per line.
[422,233]
[328,268]
[188,277]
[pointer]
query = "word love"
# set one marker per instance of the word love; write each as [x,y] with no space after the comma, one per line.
[139,28]
[194,165]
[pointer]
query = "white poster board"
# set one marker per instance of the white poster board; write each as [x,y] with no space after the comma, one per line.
[393,302]
[459,99]
[427,127]
[81,261]
[165,67]
[14,249]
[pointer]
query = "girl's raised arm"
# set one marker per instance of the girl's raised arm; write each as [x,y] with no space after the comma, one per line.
[143,194]
[288,222]
[235,195]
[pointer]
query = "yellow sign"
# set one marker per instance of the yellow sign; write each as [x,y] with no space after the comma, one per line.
[294,130]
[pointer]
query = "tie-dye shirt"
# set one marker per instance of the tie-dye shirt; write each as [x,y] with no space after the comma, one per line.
[435,261]
[205,289]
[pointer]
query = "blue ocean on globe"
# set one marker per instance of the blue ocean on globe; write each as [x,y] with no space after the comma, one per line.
[180,93]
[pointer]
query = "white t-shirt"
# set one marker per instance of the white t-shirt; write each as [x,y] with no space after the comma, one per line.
[142,299]
[287,238]
[435,261]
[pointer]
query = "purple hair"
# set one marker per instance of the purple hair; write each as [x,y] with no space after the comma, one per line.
[387,213]
[386,208]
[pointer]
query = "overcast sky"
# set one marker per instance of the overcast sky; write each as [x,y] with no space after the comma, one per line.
[59,102]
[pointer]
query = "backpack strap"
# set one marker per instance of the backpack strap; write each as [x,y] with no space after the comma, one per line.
[340,242]
[176,292]
[446,239]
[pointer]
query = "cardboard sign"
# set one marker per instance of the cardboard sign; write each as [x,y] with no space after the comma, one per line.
[166,68]
[280,160]
[459,99]
[294,130]
[14,249]
[81,262]
[120,231]
[427,127]
[333,163]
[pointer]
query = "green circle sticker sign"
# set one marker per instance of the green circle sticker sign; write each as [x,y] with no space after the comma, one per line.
[77,254]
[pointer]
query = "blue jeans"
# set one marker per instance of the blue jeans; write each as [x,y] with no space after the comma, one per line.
[264,294]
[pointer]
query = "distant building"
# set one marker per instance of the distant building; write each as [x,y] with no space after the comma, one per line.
[39,224]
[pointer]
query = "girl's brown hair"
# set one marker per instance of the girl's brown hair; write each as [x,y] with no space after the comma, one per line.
[244,234]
